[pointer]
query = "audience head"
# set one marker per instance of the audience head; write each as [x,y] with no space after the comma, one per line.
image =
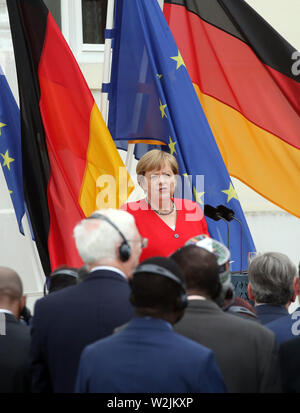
[11,291]
[62,277]
[212,275]
[157,289]
[201,271]
[109,237]
[272,279]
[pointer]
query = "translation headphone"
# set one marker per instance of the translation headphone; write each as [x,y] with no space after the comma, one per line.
[60,271]
[182,300]
[124,248]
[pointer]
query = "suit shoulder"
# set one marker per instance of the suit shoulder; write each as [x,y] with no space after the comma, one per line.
[56,297]
[249,327]
[280,322]
[19,329]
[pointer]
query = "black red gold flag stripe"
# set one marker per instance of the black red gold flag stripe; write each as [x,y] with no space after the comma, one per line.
[66,145]
[242,71]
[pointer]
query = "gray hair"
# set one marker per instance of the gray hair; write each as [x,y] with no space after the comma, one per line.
[271,278]
[97,240]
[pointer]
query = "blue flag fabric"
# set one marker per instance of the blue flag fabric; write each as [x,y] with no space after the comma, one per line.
[152,98]
[10,148]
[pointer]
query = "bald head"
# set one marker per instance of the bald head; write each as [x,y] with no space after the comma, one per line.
[11,288]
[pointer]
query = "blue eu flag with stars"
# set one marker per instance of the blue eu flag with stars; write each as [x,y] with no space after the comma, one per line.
[152,98]
[10,148]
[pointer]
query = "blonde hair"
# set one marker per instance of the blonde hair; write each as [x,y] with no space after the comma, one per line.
[155,160]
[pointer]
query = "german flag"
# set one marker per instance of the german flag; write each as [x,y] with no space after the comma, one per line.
[242,70]
[67,150]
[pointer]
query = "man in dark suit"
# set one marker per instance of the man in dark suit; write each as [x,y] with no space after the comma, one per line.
[289,356]
[245,350]
[272,277]
[66,321]
[14,336]
[147,356]
[287,327]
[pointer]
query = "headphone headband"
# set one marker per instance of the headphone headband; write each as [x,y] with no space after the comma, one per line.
[64,271]
[124,249]
[157,269]
[164,272]
[59,271]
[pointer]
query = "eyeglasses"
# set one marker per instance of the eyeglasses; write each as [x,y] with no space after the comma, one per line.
[142,241]
[156,177]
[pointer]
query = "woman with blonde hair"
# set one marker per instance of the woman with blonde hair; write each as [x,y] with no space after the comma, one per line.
[166,221]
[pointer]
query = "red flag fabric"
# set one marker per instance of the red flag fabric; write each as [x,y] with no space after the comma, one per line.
[66,146]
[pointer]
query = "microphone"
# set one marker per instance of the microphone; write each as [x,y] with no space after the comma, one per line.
[225,212]
[228,214]
[213,213]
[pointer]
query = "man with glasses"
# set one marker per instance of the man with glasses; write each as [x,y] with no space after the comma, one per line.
[66,321]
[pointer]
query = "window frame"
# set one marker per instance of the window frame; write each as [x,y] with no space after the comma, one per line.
[71,21]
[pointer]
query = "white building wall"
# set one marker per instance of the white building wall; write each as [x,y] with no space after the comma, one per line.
[272,228]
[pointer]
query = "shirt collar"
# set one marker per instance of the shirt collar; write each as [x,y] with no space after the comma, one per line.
[108,268]
[3,310]
[169,325]
[196,297]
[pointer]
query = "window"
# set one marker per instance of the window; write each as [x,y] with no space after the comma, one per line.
[83,25]
[93,21]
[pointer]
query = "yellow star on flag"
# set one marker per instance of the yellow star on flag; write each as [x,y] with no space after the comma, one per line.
[230,193]
[7,159]
[198,196]
[1,126]
[162,109]
[179,60]
[159,76]
[172,146]
[10,192]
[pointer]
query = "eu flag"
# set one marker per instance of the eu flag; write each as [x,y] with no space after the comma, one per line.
[152,98]
[10,148]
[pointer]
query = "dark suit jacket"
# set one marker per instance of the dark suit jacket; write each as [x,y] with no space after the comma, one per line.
[245,350]
[289,355]
[287,327]
[148,357]
[268,312]
[66,321]
[14,357]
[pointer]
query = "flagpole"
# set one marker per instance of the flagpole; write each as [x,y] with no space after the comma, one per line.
[107,72]
[130,150]
[107,59]
[161,3]
[36,263]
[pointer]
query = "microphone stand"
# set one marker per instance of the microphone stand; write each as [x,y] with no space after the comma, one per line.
[225,220]
[241,242]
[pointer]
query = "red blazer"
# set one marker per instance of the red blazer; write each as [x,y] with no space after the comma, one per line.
[162,240]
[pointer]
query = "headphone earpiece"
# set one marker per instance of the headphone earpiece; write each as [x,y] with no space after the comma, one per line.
[124,248]
[124,251]
[182,300]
